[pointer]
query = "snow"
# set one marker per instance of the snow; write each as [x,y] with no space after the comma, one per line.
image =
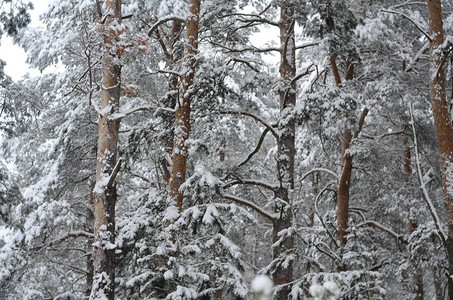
[328,291]
[262,284]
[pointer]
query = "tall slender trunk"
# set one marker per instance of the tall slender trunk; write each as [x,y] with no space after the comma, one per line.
[89,244]
[286,149]
[343,188]
[442,122]
[105,190]
[182,113]
[173,83]
[417,288]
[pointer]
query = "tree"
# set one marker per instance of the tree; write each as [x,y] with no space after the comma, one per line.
[182,111]
[442,122]
[107,156]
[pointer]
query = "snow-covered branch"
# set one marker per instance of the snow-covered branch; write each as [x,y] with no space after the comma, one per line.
[437,221]
[251,18]
[257,148]
[417,57]
[250,182]
[71,234]
[123,114]
[418,26]
[252,205]
[307,44]
[256,118]
[376,225]
[244,61]
[320,170]
[114,173]
[162,21]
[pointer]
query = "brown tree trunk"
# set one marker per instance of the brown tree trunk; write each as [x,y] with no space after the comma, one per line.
[173,83]
[105,190]
[346,160]
[182,113]
[442,122]
[413,225]
[286,150]
[89,244]
[343,188]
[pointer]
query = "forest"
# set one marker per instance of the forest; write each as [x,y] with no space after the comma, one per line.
[186,147]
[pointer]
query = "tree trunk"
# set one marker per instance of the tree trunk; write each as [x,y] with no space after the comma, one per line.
[173,82]
[105,190]
[417,288]
[89,244]
[343,188]
[182,113]
[442,122]
[286,150]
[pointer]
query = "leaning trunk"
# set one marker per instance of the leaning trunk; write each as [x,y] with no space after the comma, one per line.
[105,190]
[286,151]
[442,122]
[182,112]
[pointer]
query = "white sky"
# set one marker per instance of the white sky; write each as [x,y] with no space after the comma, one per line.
[15,56]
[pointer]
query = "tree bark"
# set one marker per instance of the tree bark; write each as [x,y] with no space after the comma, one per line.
[346,160]
[343,188]
[89,244]
[105,193]
[173,83]
[442,122]
[286,150]
[182,113]
[417,288]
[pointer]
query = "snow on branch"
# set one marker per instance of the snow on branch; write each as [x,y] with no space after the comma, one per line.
[257,148]
[250,182]
[162,21]
[114,173]
[121,115]
[417,57]
[307,44]
[320,170]
[437,221]
[374,224]
[408,3]
[247,49]
[361,122]
[251,18]
[256,118]
[418,26]
[252,205]
[71,234]
[247,62]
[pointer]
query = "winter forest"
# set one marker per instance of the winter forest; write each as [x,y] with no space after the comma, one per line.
[188,146]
